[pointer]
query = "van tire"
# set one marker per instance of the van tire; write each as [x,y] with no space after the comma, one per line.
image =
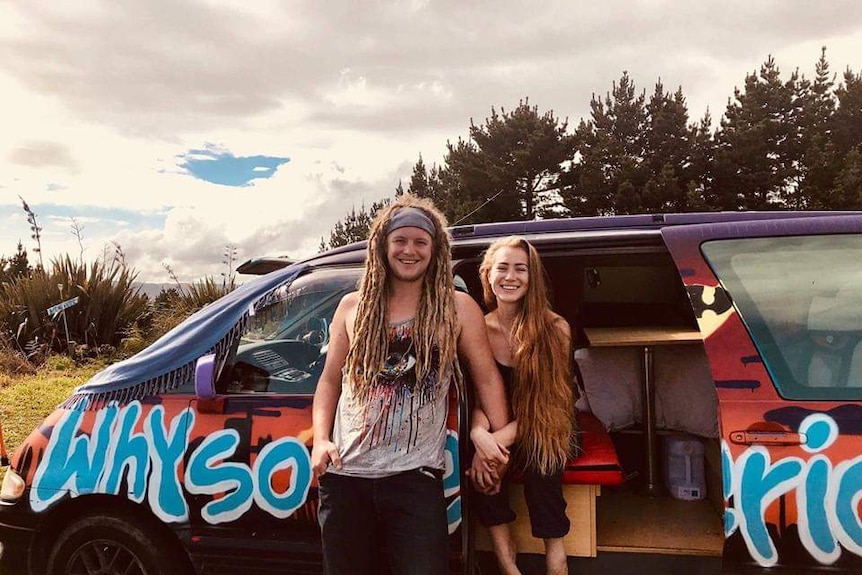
[109,544]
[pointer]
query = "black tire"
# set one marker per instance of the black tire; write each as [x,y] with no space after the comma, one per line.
[111,545]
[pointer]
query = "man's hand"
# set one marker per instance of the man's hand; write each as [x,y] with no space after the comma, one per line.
[484,478]
[492,453]
[323,454]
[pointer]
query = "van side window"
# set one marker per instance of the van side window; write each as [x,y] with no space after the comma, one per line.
[283,347]
[801,299]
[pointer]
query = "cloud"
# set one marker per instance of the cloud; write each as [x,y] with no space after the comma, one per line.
[172,124]
[286,215]
[43,155]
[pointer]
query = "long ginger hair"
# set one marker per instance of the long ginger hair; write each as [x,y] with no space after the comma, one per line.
[543,397]
[435,323]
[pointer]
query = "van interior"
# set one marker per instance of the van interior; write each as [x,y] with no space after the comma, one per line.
[636,287]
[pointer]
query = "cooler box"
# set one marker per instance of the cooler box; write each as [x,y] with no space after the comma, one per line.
[684,472]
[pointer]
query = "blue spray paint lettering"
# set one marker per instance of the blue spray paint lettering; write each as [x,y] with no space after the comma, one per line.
[848,476]
[815,533]
[149,462]
[827,495]
[72,463]
[231,478]
[285,453]
[452,481]
[167,447]
[761,483]
[130,455]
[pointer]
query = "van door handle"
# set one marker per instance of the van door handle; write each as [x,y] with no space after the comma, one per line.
[768,438]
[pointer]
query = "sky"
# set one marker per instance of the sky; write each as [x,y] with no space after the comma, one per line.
[170,129]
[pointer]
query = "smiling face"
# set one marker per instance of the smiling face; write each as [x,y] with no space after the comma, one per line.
[408,252]
[509,275]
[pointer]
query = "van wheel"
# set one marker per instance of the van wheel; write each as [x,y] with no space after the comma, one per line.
[110,545]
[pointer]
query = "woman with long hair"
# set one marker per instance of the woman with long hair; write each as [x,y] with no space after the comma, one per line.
[532,347]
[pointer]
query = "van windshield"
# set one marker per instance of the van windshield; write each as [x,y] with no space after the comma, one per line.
[307,304]
[283,347]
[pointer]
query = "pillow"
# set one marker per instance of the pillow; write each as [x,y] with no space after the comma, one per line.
[612,383]
[684,390]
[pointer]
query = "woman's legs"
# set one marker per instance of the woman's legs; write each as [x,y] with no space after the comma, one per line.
[504,548]
[555,557]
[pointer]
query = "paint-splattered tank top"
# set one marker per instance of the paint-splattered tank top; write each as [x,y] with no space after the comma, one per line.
[402,423]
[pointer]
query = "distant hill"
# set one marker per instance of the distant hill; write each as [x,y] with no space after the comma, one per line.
[152,290]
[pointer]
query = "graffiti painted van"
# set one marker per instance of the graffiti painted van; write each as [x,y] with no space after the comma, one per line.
[721,412]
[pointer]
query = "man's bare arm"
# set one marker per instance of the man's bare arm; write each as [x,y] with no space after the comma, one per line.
[475,351]
[328,390]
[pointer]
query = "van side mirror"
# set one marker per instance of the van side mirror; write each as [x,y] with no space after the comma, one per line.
[205,377]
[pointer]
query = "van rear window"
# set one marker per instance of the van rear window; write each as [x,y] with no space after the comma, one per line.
[801,299]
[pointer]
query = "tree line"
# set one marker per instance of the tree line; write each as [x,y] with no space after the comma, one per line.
[780,144]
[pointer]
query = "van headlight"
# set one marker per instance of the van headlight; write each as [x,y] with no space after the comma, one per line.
[13,487]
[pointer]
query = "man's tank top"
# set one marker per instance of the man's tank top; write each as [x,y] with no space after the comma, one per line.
[401,425]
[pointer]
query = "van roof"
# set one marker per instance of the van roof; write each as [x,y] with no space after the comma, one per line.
[597,226]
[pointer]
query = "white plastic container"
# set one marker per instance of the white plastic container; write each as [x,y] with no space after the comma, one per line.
[683,471]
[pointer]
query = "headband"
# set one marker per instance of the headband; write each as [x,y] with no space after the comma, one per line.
[408,217]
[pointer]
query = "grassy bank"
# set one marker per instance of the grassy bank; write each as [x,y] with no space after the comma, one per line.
[26,399]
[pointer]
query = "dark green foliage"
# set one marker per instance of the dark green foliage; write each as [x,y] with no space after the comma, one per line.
[19,265]
[608,178]
[108,307]
[16,266]
[514,157]
[636,155]
[354,227]
[781,144]
[757,146]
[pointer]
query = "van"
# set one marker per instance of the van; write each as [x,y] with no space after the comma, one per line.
[741,331]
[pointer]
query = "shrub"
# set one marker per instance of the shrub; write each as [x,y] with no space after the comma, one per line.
[108,307]
[171,306]
[13,362]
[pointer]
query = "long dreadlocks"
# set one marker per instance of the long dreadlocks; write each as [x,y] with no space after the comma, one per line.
[435,322]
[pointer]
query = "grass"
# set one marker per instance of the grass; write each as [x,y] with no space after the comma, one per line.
[26,399]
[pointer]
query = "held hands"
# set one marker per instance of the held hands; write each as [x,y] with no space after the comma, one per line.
[489,462]
[323,454]
[484,478]
[487,447]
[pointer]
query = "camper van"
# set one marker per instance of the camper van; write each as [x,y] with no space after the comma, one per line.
[720,415]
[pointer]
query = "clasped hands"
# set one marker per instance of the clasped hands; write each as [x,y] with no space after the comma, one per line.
[489,461]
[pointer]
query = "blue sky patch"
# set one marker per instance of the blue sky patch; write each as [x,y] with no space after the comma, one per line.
[222,167]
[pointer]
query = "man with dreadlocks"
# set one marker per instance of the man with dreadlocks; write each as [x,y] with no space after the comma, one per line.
[381,405]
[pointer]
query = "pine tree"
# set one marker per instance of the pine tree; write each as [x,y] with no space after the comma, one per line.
[607,177]
[427,183]
[699,188]
[19,264]
[508,169]
[819,164]
[848,183]
[669,143]
[847,120]
[757,146]
[353,227]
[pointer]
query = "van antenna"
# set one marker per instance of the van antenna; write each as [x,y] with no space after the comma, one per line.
[488,201]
